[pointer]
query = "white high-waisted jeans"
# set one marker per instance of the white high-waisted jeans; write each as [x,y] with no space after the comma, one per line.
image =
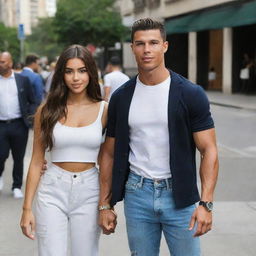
[67,199]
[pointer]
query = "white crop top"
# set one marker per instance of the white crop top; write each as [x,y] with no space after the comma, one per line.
[77,144]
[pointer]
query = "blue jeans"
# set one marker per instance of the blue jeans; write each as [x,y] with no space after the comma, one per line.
[149,210]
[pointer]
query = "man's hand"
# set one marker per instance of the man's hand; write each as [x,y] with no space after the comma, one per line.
[44,168]
[203,219]
[107,221]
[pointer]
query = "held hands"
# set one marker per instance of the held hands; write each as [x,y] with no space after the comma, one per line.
[203,219]
[107,221]
[27,224]
[44,168]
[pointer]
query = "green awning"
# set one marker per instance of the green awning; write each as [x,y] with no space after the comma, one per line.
[227,16]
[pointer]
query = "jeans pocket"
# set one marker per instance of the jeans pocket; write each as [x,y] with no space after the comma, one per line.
[130,187]
[47,179]
[47,183]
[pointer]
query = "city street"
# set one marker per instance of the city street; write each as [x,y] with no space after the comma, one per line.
[234,232]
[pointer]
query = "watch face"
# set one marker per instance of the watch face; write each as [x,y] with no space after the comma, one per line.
[209,206]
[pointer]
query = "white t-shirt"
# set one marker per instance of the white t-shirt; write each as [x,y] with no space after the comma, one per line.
[149,135]
[114,80]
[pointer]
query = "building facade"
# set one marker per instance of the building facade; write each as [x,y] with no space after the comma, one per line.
[8,12]
[203,36]
[26,12]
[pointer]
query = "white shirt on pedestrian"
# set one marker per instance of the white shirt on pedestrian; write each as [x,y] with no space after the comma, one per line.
[114,80]
[149,135]
[9,101]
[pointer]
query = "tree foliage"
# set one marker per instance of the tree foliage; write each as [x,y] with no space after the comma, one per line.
[43,40]
[87,21]
[9,41]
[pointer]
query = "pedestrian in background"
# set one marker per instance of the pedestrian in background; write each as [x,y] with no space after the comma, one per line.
[70,124]
[17,67]
[31,72]
[155,123]
[115,78]
[17,105]
[49,78]
[211,78]
[247,74]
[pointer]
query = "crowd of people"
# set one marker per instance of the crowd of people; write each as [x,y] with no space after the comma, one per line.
[133,141]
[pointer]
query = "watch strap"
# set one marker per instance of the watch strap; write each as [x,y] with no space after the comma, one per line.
[207,205]
[104,207]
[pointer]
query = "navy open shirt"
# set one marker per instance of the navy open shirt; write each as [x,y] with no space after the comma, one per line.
[188,112]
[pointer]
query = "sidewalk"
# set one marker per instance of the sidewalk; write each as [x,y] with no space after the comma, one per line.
[232,100]
[234,222]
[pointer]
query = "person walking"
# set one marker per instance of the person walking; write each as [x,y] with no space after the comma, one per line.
[70,125]
[155,123]
[115,78]
[17,105]
[29,71]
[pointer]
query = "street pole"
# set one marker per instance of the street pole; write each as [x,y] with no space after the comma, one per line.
[21,50]
[21,37]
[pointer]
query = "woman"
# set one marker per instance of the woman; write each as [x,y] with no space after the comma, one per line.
[69,124]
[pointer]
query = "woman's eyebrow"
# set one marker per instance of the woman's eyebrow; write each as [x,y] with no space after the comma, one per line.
[77,68]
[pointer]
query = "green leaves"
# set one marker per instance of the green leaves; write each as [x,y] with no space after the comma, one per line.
[86,21]
[77,22]
[43,40]
[9,41]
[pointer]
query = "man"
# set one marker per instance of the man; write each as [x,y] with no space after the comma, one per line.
[115,78]
[155,122]
[29,71]
[17,104]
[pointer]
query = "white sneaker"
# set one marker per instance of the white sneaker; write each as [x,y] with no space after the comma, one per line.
[17,193]
[1,183]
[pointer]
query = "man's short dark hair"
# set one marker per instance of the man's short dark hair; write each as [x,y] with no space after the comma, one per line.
[32,58]
[115,61]
[148,24]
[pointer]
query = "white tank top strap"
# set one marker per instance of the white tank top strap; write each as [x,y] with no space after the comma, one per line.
[102,104]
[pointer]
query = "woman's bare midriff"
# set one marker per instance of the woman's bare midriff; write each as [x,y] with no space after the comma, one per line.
[74,167]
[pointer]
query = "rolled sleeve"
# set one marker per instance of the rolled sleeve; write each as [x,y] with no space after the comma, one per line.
[200,115]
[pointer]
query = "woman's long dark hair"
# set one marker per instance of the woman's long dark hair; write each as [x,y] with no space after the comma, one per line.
[55,106]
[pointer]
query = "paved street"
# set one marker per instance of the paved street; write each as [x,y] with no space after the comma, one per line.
[234,232]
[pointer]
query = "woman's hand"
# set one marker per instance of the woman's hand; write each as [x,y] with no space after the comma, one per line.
[27,223]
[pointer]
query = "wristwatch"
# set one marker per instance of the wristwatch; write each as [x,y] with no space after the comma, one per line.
[207,205]
[104,207]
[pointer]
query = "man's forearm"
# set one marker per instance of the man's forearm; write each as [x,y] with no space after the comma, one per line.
[106,93]
[208,173]
[105,180]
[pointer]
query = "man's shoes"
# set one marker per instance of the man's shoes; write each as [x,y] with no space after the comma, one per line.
[17,193]
[1,183]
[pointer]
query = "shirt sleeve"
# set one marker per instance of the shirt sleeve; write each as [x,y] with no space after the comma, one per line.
[200,115]
[111,125]
[107,81]
[38,83]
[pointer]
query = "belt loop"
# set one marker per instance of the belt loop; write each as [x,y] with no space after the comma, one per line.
[167,184]
[141,181]
[58,171]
